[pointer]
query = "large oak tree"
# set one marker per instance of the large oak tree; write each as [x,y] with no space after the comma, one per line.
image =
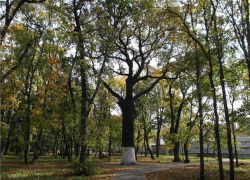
[136,33]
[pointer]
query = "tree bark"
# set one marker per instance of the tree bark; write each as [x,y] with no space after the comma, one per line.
[110,141]
[222,82]
[241,28]
[37,146]
[146,137]
[200,113]
[176,152]
[66,142]
[77,149]
[235,147]
[228,125]
[138,141]
[186,152]
[159,124]
[128,118]
[28,85]
[84,86]
[157,141]
[27,136]
[216,124]
[175,121]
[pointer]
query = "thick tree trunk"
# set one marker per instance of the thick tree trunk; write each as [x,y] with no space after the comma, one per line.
[128,118]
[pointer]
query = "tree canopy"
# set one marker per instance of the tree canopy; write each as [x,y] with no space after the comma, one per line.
[80,75]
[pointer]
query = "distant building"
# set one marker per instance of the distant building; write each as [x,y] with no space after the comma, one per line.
[243,148]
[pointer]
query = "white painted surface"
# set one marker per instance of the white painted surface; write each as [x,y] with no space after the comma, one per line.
[128,156]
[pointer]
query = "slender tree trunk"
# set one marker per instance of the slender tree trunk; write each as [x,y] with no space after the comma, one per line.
[7,142]
[88,151]
[77,149]
[27,136]
[186,152]
[216,125]
[157,141]
[55,144]
[110,130]
[149,149]
[138,141]
[70,150]
[233,126]
[159,124]
[242,30]
[222,82]
[175,122]
[145,147]
[100,154]
[56,147]
[176,152]
[83,124]
[110,140]
[36,147]
[84,86]
[229,138]
[172,127]
[200,114]
[2,145]
[235,146]
[146,137]
[247,54]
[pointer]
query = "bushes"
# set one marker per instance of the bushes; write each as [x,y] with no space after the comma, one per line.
[88,169]
[170,152]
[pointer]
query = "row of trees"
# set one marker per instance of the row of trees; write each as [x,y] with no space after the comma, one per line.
[180,66]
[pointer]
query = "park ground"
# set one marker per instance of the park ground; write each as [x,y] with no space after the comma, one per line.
[49,167]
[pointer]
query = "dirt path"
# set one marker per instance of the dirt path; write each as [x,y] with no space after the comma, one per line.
[137,172]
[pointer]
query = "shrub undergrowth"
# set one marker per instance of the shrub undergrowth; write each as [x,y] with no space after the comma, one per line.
[87,169]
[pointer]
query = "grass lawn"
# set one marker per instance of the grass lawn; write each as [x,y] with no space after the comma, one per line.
[192,172]
[48,167]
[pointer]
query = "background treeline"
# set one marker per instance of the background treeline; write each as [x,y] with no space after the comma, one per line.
[55,56]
